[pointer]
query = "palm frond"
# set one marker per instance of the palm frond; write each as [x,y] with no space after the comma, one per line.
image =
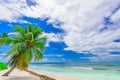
[8,41]
[37,54]
[41,39]
[4,35]
[17,39]
[40,46]
[36,31]
[15,49]
[1,41]
[28,36]
[12,59]
[29,28]
[20,30]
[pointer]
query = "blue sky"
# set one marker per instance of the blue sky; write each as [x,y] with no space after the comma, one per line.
[78,31]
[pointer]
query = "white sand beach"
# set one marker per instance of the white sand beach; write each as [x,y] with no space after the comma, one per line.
[18,75]
[23,75]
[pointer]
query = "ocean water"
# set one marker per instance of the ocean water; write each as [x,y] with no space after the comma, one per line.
[82,71]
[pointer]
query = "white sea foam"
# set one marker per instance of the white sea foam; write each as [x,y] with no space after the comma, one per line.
[83,68]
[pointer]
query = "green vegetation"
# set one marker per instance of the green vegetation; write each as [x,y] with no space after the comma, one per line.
[28,44]
[3,66]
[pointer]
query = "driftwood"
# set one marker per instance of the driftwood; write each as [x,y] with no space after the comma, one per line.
[42,77]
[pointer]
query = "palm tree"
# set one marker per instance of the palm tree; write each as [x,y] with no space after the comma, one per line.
[27,45]
[2,38]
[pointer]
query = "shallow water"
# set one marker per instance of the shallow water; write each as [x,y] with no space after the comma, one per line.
[82,71]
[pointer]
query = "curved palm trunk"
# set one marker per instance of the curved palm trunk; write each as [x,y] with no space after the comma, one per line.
[7,73]
[42,77]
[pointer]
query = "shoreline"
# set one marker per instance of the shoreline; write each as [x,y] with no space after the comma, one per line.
[53,75]
[23,75]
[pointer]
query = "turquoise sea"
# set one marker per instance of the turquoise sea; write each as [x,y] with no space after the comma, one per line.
[82,71]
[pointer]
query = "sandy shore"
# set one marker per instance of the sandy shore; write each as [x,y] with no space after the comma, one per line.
[18,75]
[54,75]
[22,75]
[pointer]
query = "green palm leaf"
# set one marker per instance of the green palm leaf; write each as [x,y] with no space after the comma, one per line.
[20,30]
[40,46]
[1,41]
[37,54]
[36,31]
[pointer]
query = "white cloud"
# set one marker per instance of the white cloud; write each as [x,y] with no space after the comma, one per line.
[52,37]
[54,60]
[105,58]
[116,16]
[13,33]
[51,55]
[83,22]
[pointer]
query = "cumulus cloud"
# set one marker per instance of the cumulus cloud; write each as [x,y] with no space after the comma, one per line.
[116,16]
[52,37]
[54,59]
[13,33]
[105,58]
[88,25]
[51,55]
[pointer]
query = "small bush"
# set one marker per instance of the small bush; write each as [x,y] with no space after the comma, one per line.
[3,66]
